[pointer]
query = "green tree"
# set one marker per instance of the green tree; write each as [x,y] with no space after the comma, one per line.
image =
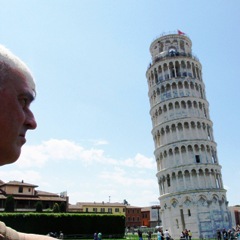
[56,208]
[39,206]
[62,207]
[9,204]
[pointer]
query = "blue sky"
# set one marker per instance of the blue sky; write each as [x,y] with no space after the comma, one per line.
[89,59]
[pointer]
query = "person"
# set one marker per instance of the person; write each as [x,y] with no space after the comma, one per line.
[159,235]
[219,237]
[61,235]
[166,235]
[182,235]
[232,234]
[17,91]
[238,235]
[99,236]
[186,234]
[95,236]
[149,235]
[52,234]
[225,235]
[140,234]
[189,234]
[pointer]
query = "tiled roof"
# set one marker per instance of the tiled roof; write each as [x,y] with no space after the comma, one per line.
[129,206]
[74,206]
[43,193]
[100,204]
[17,183]
[145,209]
[40,198]
[59,199]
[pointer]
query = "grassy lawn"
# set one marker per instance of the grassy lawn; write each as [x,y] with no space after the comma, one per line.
[131,237]
[127,237]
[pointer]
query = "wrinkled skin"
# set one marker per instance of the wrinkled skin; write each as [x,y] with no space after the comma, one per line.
[16,95]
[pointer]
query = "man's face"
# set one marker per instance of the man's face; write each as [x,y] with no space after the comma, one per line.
[16,118]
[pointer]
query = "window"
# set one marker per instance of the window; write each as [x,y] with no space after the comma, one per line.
[86,209]
[172,51]
[197,157]
[102,209]
[20,189]
[116,209]
[110,210]
[94,209]
[189,212]
[168,181]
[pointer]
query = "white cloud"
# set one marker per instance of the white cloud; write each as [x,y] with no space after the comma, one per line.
[28,176]
[62,149]
[120,176]
[87,174]
[55,149]
[140,161]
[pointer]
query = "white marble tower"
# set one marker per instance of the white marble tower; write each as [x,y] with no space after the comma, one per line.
[188,171]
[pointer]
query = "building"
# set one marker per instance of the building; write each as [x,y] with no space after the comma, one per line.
[188,171]
[155,218]
[151,216]
[133,217]
[99,207]
[235,214]
[25,196]
[146,216]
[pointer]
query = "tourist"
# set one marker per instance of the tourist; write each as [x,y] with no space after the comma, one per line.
[149,235]
[99,236]
[182,235]
[61,235]
[166,235]
[189,234]
[17,91]
[225,234]
[159,235]
[186,234]
[219,236]
[140,234]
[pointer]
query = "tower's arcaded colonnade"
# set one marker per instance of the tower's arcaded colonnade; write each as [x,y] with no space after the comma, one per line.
[189,175]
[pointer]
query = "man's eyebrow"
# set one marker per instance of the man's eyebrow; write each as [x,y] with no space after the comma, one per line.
[29,95]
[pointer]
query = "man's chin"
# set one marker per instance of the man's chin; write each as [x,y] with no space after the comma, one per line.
[10,158]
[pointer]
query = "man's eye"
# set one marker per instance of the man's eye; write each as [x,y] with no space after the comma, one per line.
[23,102]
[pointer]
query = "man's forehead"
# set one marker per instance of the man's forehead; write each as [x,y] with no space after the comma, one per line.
[25,81]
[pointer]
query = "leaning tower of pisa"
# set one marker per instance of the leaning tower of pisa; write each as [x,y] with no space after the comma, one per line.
[188,171]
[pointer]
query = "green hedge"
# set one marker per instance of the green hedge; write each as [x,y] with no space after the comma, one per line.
[43,223]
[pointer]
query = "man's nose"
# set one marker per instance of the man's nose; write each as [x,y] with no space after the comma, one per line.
[30,120]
